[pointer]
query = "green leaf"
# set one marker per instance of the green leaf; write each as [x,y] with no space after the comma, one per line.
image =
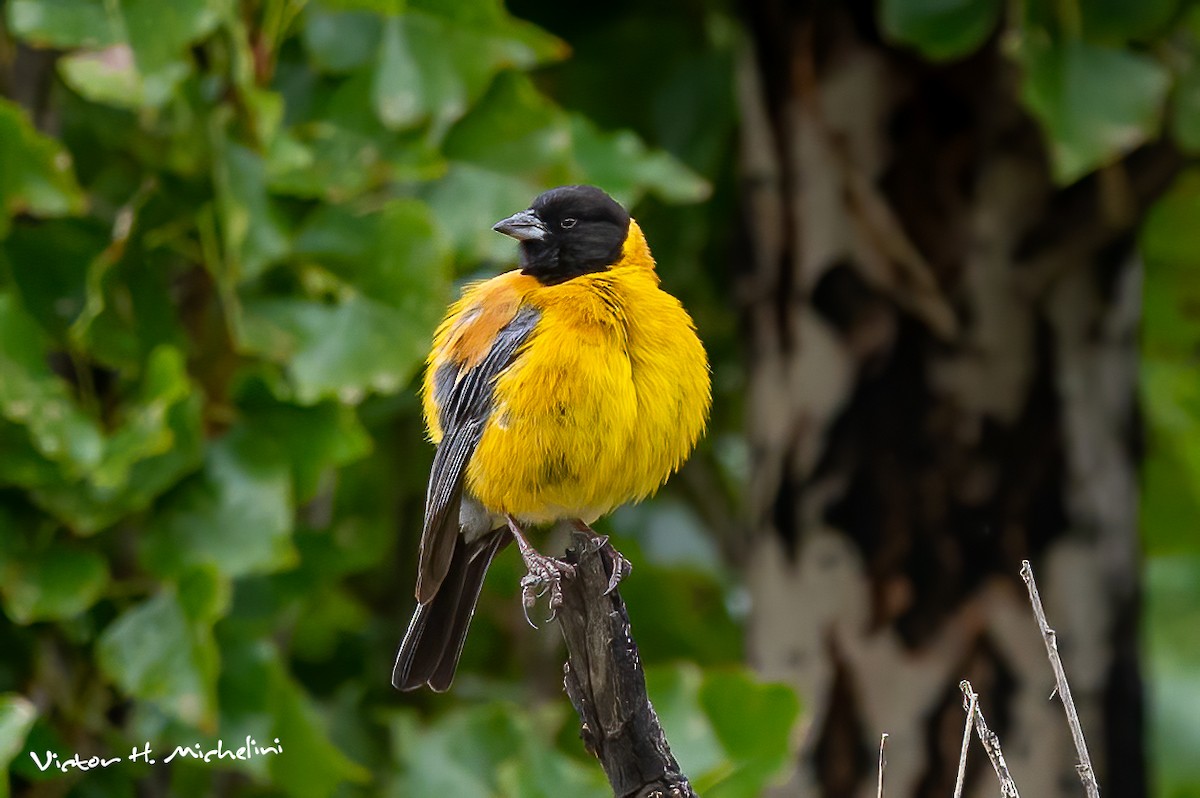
[1170,341]
[513,130]
[1166,238]
[159,32]
[753,720]
[49,266]
[491,750]
[435,761]
[1121,21]
[35,398]
[469,200]
[363,527]
[731,733]
[390,278]
[327,159]
[236,515]
[87,508]
[155,441]
[143,430]
[1172,613]
[136,49]
[340,42]
[314,440]
[64,23]
[17,715]
[543,772]
[1185,106]
[155,653]
[395,256]
[515,143]
[400,97]
[1171,472]
[250,671]
[1095,103]
[110,76]
[627,168]
[57,583]
[324,765]
[329,617]
[35,171]
[376,6]
[204,594]
[262,700]
[344,350]
[437,59]
[128,308]
[253,231]
[675,694]
[22,464]
[692,621]
[940,29]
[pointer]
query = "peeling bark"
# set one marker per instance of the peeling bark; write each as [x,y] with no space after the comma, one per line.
[942,383]
[604,680]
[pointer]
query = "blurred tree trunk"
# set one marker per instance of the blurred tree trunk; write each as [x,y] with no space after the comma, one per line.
[942,383]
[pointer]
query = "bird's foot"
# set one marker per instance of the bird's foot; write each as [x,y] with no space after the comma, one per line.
[545,575]
[621,566]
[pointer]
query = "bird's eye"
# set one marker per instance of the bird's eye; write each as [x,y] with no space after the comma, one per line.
[567,223]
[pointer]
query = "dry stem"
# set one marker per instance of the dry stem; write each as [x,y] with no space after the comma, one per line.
[966,741]
[1084,767]
[882,763]
[991,743]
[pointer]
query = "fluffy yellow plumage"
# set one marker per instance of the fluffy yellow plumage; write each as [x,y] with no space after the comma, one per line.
[605,400]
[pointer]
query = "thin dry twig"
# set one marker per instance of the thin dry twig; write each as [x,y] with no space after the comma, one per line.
[991,743]
[882,763]
[966,742]
[1084,767]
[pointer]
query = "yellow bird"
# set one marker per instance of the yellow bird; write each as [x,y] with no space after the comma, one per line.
[558,391]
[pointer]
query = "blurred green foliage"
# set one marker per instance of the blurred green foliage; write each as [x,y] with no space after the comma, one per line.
[221,259]
[1171,480]
[226,231]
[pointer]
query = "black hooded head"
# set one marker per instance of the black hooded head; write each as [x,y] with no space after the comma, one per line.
[568,231]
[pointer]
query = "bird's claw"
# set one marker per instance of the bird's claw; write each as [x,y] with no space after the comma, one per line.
[545,576]
[527,601]
[621,566]
[621,569]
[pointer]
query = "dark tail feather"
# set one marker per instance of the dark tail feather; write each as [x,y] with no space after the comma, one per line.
[434,641]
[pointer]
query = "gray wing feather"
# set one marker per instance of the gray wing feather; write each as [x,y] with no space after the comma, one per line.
[465,400]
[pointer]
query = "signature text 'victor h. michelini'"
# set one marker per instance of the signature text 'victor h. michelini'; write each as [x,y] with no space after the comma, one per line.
[146,754]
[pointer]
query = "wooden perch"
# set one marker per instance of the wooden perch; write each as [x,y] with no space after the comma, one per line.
[604,680]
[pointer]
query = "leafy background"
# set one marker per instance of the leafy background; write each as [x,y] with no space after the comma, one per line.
[227,229]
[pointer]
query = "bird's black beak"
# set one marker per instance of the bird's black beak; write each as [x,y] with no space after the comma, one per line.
[523,226]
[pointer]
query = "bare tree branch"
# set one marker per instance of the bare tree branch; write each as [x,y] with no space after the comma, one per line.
[1084,767]
[605,682]
[991,742]
[966,742]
